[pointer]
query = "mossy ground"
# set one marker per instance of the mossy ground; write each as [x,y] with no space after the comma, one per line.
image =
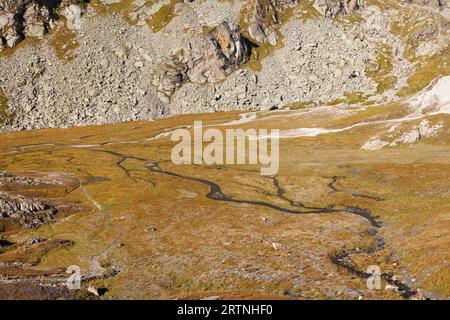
[304,10]
[123,7]
[157,22]
[3,104]
[414,26]
[64,42]
[381,73]
[163,16]
[5,114]
[427,69]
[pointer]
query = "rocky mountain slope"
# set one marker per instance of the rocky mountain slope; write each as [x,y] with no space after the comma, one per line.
[358,89]
[66,63]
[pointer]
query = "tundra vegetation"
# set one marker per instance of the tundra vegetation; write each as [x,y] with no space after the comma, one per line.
[357,89]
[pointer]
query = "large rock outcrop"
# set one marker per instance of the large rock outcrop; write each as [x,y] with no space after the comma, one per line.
[34,18]
[207,60]
[262,19]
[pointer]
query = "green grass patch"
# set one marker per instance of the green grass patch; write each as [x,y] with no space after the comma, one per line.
[163,16]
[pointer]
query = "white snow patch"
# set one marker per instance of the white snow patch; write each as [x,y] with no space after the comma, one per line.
[374,144]
[435,100]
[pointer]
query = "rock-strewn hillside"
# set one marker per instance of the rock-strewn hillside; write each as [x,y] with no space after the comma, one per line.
[72,62]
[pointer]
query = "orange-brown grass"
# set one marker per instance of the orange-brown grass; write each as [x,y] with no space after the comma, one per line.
[170,240]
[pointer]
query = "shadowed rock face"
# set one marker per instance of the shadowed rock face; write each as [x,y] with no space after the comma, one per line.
[262,19]
[169,76]
[34,18]
[230,45]
[208,60]
[4,242]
